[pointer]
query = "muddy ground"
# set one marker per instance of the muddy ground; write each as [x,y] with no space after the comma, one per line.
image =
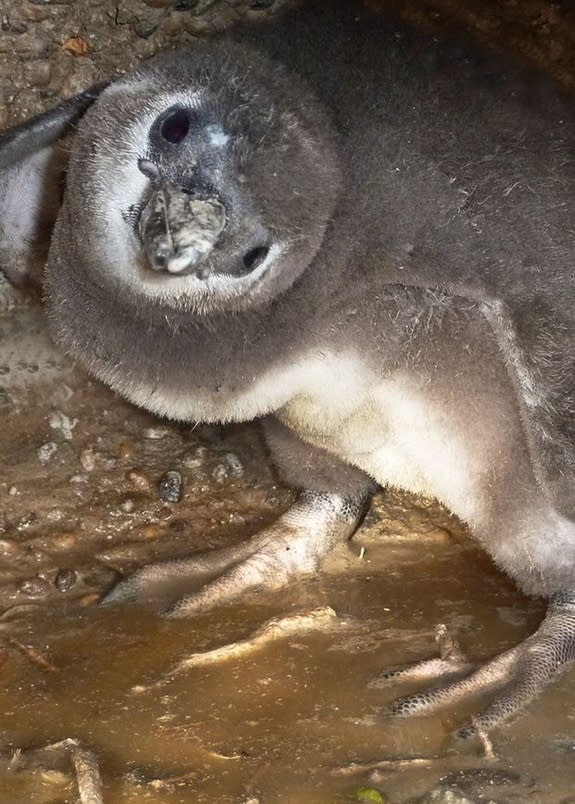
[80,504]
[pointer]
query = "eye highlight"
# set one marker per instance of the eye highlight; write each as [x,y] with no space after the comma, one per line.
[175,126]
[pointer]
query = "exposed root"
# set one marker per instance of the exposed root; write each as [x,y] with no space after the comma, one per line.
[320,619]
[84,761]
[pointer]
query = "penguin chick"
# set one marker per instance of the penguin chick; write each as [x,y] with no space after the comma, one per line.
[384,279]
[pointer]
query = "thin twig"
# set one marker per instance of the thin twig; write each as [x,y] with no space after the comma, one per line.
[321,619]
[32,654]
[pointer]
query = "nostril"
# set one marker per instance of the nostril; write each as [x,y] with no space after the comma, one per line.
[160,260]
[255,257]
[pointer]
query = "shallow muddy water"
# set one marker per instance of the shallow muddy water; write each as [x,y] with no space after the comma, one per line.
[81,504]
[296,719]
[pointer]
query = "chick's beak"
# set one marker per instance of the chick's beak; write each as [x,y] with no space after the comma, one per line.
[178,231]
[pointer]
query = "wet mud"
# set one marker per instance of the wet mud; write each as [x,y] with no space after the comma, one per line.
[91,488]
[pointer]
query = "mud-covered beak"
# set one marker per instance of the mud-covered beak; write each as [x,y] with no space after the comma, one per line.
[179,231]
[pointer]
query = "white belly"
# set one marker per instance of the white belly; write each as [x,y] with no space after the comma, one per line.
[390,430]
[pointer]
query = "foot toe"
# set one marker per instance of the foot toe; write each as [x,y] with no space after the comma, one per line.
[516,676]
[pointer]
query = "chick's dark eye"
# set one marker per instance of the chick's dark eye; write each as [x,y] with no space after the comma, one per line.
[175,126]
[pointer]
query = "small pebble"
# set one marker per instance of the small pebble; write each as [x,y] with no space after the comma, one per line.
[27,520]
[144,28]
[127,505]
[125,449]
[139,480]
[47,451]
[88,459]
[149,532]
[107,462]
[90,599]
[195,459]
[234,464]
[35,555]
[83,75]
[55,515]
[220,473]
[174,23]
[34,587]
[64,541]
[101,576]
[13,491]
[37,47]
[59,421]
[18,27]
[38,73]
[65,580]
[80,478]
[35,13]
[9,548]
[171,486]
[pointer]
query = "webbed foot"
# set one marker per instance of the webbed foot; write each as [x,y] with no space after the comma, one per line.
[292,546]
[516,676]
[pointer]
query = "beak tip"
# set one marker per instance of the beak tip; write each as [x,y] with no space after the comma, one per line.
[179,263]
